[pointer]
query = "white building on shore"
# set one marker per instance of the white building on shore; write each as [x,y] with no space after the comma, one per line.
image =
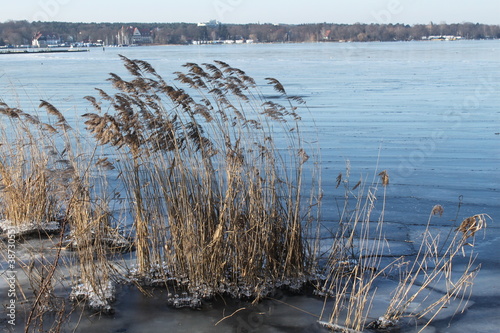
[134,36]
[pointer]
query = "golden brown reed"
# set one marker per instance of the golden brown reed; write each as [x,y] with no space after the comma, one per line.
[214,202]
[354,267]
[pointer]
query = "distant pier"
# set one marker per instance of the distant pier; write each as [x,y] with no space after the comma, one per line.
[35,50]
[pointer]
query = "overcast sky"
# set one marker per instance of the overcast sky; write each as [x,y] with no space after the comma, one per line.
[255,11]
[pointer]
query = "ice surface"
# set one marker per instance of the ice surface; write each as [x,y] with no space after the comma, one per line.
[404,107]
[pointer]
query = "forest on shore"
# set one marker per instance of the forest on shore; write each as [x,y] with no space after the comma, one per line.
[22,32]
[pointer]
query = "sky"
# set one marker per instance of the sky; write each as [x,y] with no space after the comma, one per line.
[255,11]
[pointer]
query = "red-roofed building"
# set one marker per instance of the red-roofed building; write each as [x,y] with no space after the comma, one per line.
[133,36]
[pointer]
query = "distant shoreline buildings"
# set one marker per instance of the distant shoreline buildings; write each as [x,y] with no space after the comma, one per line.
[54,34]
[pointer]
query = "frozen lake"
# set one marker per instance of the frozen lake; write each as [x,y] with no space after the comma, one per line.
[427,112]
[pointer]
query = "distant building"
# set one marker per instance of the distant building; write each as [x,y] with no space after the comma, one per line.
[134,36]
[210,24]
[45,39]
[442,38]
[325,34]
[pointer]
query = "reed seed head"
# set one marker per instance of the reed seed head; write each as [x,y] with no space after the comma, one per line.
[384,177]
[437,210]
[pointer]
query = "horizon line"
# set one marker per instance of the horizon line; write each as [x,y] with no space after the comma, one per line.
[248,23]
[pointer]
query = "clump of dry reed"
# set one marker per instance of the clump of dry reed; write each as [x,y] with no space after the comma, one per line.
[47,187]
[30,170]
[33,176]
[86,212]
[217,207]
[90,224]
[355,264]
[355,256]
[432,268]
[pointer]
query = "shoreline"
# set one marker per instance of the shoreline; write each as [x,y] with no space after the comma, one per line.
[78,50]
[35,51]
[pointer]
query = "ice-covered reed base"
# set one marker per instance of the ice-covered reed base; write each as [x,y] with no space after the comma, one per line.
[27,228]
[337,328]
[113,241]
[191,294]
[382,323]
[99,300]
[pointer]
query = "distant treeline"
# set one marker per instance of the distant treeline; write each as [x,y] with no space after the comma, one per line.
[22,32]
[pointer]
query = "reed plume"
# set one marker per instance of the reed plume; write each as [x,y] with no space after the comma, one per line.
[206,174]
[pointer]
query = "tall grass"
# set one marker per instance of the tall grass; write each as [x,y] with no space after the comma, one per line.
[33,179]
[46,189]
[434,267]
[355,255]
[215,203]
[89,219]
[30,171]
[355,266]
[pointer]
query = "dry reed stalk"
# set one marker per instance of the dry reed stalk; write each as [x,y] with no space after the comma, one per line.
[26,191]
[355,265]
[234,212]
[30,172]
[39,184]
[33,178]
[354,262]
[92,235]
[90,229]
[422,277]
[38,306]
